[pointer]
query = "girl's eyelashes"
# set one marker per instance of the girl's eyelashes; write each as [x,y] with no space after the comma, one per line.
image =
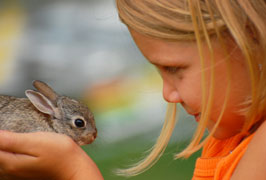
[172,69]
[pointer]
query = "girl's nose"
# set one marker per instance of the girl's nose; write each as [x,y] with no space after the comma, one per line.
[170,93]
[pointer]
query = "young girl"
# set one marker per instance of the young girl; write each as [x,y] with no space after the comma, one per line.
[211,57]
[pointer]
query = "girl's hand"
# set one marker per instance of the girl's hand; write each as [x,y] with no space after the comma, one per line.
[43,156]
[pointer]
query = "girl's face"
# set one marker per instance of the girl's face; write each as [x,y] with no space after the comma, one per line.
[180,69]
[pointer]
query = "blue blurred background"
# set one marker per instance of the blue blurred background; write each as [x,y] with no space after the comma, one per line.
[82,50]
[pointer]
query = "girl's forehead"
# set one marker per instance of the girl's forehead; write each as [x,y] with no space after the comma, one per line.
[162,51]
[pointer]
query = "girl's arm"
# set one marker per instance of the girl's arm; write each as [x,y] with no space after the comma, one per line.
[253,163]
[44,155]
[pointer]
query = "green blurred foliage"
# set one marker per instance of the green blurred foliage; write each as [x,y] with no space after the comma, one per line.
[127,152]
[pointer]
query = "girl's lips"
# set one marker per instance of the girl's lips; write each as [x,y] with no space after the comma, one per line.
[197,117]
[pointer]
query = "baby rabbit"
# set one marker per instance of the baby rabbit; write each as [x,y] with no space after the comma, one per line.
[44,110]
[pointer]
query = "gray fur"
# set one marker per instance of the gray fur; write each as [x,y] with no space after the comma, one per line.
[47,111]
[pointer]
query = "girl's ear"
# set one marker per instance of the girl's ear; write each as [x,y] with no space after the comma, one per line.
[41,102]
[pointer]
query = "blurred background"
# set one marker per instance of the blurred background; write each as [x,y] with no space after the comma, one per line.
[82,50]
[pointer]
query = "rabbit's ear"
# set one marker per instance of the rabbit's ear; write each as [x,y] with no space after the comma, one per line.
[41,102]
[45,90]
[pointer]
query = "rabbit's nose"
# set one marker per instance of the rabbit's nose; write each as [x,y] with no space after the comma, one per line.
[95,134]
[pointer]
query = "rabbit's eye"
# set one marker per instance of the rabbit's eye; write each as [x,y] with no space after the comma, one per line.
[79,123]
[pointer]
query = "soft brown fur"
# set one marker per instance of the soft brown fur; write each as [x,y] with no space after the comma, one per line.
[21,115]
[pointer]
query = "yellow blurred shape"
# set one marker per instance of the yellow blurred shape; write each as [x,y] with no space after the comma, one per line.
[11,23]
[121,92]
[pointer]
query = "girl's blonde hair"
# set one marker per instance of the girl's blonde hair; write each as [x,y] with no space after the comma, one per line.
[199,20]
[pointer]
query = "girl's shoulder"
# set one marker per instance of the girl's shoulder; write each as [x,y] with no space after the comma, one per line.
[252,164]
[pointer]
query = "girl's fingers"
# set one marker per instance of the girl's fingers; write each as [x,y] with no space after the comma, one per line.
[12,162]
[24,143]
[16,142]
[29,154]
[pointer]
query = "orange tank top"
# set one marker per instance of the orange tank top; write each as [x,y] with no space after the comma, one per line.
[220,157]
